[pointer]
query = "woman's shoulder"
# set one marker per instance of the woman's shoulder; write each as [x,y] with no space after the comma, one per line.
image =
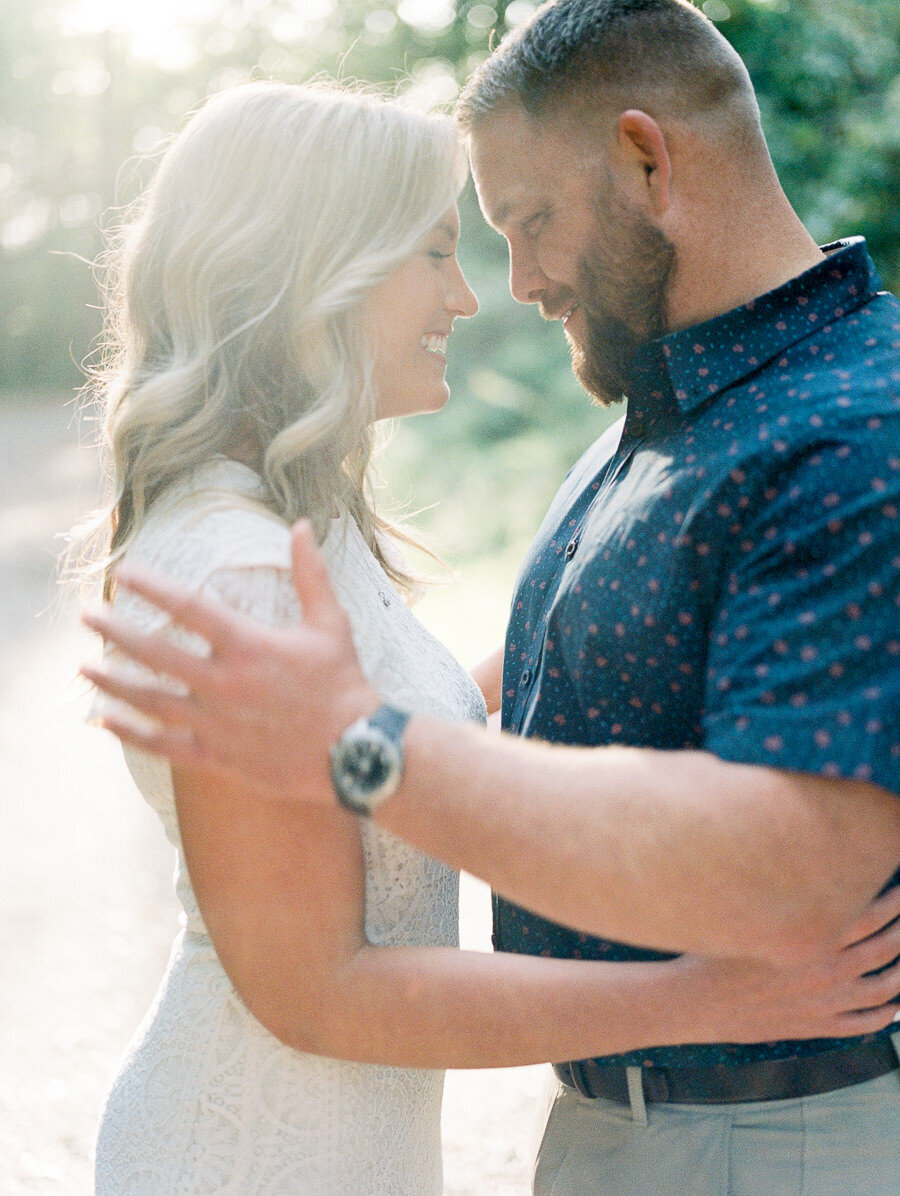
[211,519]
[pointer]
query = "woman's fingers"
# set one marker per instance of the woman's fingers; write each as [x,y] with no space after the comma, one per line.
[870,1001]
[866,1021]
[883,988]
[875,952]
[882,911]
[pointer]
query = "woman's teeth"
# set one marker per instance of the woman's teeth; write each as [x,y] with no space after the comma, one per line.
[435,344]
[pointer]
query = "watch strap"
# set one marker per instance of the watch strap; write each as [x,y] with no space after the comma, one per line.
[390,720]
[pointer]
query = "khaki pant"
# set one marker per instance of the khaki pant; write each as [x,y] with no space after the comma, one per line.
[843,1143]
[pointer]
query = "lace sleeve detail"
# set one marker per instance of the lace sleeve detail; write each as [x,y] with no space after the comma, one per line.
[223,547]
[259,592]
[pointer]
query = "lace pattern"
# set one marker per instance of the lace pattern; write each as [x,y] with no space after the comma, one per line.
[207,1100]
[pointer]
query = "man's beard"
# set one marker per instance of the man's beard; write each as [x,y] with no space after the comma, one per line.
[622,286]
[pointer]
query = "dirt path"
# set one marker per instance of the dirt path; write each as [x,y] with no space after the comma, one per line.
[86,911]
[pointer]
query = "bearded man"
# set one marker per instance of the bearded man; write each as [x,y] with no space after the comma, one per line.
[701,676]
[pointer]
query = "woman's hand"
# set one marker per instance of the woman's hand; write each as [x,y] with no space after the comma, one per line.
[850,990]
[264,706]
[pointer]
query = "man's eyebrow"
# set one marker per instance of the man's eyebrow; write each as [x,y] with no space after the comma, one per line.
[498,217]
[501,215]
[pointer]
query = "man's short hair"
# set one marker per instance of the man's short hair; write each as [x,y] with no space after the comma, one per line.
[662,56]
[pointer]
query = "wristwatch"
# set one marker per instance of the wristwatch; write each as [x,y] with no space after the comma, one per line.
[367,760]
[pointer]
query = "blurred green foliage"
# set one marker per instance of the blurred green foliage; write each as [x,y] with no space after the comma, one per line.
[83,109]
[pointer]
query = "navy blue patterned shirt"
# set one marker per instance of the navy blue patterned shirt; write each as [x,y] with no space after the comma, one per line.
[721,570]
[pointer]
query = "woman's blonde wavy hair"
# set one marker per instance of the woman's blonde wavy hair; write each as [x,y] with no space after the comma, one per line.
[236,298]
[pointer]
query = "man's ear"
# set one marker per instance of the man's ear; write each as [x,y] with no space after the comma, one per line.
[643,146]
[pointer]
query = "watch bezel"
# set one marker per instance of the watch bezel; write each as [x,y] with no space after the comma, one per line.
[355,791]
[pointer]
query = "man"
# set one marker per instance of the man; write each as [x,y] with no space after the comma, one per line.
[705,629]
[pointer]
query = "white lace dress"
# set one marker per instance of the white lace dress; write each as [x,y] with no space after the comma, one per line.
[206,1099]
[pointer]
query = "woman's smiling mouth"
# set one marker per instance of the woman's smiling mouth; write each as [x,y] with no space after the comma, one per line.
[435,342]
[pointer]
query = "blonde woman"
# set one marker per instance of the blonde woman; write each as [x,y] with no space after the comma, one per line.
[291,279]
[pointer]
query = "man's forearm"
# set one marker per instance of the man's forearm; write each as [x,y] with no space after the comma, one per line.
[673,850]
[676,850]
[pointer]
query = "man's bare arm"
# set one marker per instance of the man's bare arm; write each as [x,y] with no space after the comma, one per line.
[675,850]
[282,892]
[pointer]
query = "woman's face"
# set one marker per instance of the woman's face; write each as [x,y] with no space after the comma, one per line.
[409,317]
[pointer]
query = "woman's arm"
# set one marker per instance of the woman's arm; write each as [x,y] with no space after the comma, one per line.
[281,890]
[615,841]
[488,675]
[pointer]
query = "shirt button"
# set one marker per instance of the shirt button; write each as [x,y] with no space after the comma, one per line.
[571,549]
[526,676]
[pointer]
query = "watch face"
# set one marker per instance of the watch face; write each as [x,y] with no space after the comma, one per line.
[369,763]
[365,767]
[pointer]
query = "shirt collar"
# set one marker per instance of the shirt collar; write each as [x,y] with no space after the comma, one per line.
[706,359]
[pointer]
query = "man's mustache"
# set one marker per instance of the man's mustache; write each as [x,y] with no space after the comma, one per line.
[557,305]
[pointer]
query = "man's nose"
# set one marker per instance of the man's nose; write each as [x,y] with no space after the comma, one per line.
[527,281]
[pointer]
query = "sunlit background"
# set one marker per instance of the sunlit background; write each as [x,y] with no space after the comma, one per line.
[91,89]
[89,92]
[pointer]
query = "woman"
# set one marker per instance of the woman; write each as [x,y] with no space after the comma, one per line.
[291,280]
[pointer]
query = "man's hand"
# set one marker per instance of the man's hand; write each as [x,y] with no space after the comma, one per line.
[677,850]
[264,705]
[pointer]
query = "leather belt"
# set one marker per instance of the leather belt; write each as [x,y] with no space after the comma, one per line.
[740,1083]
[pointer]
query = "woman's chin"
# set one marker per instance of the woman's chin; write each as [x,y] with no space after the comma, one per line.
[428,404]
